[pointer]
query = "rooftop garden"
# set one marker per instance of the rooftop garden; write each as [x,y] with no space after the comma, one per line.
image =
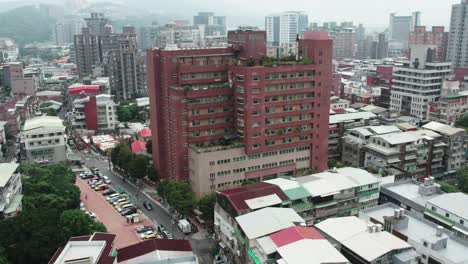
[285,60]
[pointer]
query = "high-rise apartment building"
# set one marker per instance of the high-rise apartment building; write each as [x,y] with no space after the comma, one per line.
[97,23]
[221,116]
[88,52]
[457,52]
[126,65]
[214,25]
[437,37]
[147,36]
[283,28]
[65,29]
[181,36]
[399,30]
[344,43]
[418,82]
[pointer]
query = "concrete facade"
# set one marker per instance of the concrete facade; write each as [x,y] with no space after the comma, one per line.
[211,101]
[458,40]
[43,139]
[437,37]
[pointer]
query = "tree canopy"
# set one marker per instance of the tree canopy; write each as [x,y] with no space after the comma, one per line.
[131,112]
[462,179]
[462,122]
[50,215]
[206,206]
[178,195]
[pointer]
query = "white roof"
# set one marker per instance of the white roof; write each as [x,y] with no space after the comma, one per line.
[263,201]
[267,220]
[43,122]
[455,203]
[80,249]
[352,233]
[327,183]
[267,245]
[400,138]
[6,171]
[420,229]
[379,130]
[284,184]
[351,116]
[48,93]
[442,128]
[315,251]
[410,190]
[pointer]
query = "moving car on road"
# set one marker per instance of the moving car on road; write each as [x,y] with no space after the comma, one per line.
[147,205]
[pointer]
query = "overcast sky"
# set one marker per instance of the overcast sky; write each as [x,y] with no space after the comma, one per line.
[373,13]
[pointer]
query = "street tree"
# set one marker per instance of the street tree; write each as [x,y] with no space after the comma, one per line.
[138,166]
[206,206]
[462,179]
[77,223]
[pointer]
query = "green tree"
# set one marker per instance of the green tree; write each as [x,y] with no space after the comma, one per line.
[462,122]
[448,188]
[138,166]
[462,179]
[149,146]
[153,175]
[77,223]
[49,215]
[178,195]
[206,206]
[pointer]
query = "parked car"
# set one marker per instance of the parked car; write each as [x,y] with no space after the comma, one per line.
[121,199]
[90,182]
[108,192]
[101,187]
[96,184]
[116,198]
[112,196]
[95,170]
[87,176]
[166,234]
[124,206]
[148,233]
[147,205]
[142,229]
[82,207]
[93,215]
[128,211]
[106,179]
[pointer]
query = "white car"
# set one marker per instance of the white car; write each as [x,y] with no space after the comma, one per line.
[106,179]
[93,215]
[82,207]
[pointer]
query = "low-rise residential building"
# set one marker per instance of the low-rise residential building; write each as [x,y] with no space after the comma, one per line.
[293,245]
[363,242]
[452,104]
[318,196]
[43,140]
[94,112]
[99,248]
[10,190]
[339,123]
[353,143]
[454,145]
[449,210]
[411,154]
[434,243]
[336,102]
[19,83]
[410,195]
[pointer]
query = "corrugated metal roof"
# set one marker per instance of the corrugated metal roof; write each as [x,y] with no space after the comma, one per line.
[311,252]
[293,234]
[6,171]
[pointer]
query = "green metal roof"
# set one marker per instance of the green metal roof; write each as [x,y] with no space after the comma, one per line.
[253,257]
[297,193]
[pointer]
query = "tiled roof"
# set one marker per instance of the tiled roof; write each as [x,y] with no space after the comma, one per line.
[238,196]
[151,245]
[293,234]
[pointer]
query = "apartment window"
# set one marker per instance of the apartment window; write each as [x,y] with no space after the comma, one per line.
[462,222]
[211,121]
[240,89]
[255,113]
[425,244]
[195,112]
[212,163]
[255,90]
[256,101]
[256,78]
[287,140]
[434,209]
[195,122]
[256,146]
[211,110]
[255,124]
[447,215]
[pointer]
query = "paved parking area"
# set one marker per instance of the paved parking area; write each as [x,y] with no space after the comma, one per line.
[105,213]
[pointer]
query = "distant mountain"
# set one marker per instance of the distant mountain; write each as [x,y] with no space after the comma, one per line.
[25,24]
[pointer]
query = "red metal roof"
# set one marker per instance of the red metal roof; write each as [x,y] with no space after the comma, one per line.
[151,245]
[145,133]
[237,196]
[293,234]
[77,89]
[138,146]
[339,110]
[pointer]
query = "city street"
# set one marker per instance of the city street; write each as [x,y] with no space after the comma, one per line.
[201,243]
